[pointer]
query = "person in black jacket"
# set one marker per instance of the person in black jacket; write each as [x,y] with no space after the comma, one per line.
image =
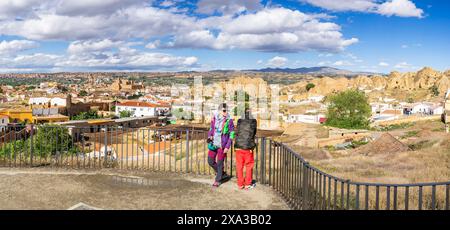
[244,145]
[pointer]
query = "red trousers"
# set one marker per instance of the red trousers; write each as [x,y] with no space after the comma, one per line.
[244,158]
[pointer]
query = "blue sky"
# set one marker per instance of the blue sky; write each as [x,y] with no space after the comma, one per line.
[173,35]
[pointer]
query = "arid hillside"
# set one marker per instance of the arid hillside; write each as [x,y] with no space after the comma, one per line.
[410,83]
[411,153]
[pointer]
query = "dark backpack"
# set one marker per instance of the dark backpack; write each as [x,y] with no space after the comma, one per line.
[245,135]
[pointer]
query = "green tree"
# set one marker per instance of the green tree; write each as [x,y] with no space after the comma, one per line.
[47,141]
[125,113]
[410,100]
[91,114]
[51,140]
[135,96]
[349,109]
[434,90]
[64,89]
[309,86]
[83,93]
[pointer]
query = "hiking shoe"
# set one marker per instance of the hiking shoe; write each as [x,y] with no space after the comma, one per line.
[216,184]
[252,186]
[225,178]
[241,187]
[225,175]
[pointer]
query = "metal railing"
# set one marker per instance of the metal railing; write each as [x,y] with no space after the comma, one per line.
[306,187]
[185,151]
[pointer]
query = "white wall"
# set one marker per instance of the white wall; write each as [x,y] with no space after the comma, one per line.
[52,91]
[3,122]
[438,111]
[421,108]
[38,100]
[57,101]
[301,118]
[380,107]
[385,117]
[136,111]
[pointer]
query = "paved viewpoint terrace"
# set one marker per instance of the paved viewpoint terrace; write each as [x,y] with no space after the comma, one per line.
[106,189]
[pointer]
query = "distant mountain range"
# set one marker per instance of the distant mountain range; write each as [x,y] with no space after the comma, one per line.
[322,70]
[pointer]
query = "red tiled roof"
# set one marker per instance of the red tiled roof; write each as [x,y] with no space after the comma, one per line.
[164,103]
[137,104]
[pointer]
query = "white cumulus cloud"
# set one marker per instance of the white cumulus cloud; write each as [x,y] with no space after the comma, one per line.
[271,29]
[343,63]
[405,66]
[277,61]
[400,8]
[14,46]
[12,9]
[92,7]
[99,31]
[344,5]
[227,6]
[91,46]
[107,54]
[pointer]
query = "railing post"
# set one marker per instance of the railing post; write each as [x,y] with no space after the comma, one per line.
[348,195]
[187,150]
[263,160]
[447,196]
[270,163]
[305,198]
[31,145]
[357,197]
[420,197]
[106,148]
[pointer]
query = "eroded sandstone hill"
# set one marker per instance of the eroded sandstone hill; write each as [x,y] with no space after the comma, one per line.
[422,80]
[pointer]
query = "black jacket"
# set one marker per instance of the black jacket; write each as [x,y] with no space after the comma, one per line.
[245,134]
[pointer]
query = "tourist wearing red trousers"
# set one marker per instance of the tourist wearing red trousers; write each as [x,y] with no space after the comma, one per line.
[244,145]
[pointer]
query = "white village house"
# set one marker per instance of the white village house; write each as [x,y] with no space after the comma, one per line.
[4,120]
[379,107]
[305,118]
[148,98]
[54,101]
[141,109]
[427,108]
[387,115]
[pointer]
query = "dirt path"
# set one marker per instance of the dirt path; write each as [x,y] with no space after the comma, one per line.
[62,189]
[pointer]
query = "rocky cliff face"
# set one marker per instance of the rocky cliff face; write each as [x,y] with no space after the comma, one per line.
[410,81]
